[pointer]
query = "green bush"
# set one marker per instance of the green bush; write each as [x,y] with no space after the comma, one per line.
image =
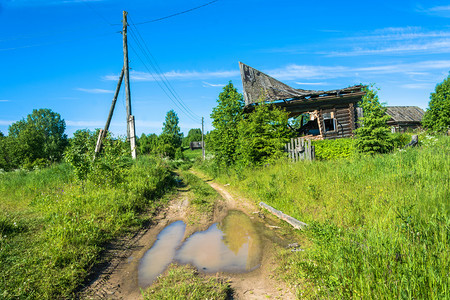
[332,149]
[400,140]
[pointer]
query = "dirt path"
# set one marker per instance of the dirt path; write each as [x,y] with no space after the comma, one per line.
[119,279]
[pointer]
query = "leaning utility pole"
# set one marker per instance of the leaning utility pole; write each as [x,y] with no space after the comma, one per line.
[131,130]
[203,142]
[103,132]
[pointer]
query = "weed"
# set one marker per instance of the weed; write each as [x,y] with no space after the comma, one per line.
[379,225]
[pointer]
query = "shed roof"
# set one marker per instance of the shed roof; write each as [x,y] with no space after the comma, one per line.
[405,114]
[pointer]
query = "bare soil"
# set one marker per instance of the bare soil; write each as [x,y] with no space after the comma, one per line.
[117,279]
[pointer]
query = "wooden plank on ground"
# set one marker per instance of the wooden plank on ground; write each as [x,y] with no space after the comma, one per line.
[294,222]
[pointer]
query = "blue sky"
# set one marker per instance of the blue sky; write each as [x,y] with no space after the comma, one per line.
[66,55]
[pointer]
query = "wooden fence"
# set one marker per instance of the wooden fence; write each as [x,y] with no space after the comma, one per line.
[300,149]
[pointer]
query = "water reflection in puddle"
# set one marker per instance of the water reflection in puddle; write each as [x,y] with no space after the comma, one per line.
[156,260]
[229,246]
[232,245]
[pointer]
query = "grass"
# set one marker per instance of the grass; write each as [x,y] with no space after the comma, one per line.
[204,196]
[379,225]
[54,228]
[192,154]
[184,282]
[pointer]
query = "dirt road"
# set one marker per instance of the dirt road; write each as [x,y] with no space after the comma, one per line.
[117,278]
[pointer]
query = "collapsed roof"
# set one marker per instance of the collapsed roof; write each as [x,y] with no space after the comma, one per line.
[259,86]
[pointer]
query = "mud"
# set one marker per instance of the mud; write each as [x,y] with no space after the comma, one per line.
[121,279]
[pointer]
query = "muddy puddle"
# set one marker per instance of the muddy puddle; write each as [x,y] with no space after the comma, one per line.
[232,245]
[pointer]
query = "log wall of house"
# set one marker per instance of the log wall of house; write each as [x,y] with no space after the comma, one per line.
[345,121]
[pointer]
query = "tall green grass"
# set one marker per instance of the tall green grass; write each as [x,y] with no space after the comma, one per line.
[54,228]
[379,225]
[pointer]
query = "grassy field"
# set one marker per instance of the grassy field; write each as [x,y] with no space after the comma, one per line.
[53,228]
[379,225]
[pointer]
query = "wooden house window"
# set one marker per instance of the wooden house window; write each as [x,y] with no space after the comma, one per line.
[329,122]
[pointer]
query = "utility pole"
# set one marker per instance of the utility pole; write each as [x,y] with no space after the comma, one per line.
[130,118]
[103,132]
[203,143]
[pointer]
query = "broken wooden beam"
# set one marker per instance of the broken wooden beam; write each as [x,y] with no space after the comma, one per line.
[294,222]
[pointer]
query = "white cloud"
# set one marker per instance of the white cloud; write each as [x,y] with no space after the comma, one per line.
[4,100]
[207,84]
[177,75]
[6,122]
[95,91]
[438,46]
[440,11]
[421,86]
[295,72]
[440,8]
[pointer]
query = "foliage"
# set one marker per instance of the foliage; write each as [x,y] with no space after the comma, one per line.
[262,135]
[194,135]
[400,140]
[39,136]
[184,282]
[148,143]
[373,135]
[6,156]
[332,149]
[55,229]
[179,153]
[222,141]
[109,165]
[166,147]
[378,225]
[296,122]
[171,130]
[437,116]
[80,152]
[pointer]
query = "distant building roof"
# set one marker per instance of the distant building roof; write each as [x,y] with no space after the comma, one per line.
[405,114]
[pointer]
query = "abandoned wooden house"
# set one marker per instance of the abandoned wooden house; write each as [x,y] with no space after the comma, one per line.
[195,145]
[330,114]
[404,118]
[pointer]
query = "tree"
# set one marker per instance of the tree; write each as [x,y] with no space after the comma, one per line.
[226,117]
[5,155]
[262,135]
[148,143]
[38,137]
[437,116]
[373,135]
[171,130]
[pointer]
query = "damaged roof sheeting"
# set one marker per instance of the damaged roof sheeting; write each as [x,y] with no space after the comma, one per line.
[404,114]
[257,84]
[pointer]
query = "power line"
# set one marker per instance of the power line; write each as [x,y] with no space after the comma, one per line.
[158,70]
[164,78]
[175,14]
[158,81]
